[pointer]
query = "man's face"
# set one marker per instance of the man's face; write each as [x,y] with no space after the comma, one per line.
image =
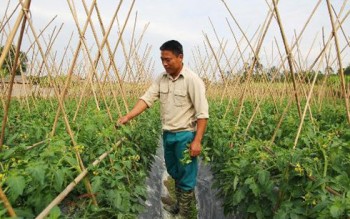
[171,62]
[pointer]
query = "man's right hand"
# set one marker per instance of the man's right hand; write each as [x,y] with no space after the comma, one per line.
[123,120]
[138,108]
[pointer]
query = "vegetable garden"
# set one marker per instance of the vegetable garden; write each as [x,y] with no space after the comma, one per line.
[277,138]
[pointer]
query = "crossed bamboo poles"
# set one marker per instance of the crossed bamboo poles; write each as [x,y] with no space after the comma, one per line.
[301,89]
[44,61]
[209,65]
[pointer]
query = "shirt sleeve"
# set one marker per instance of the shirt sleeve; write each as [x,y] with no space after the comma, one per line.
[197,94]
[152,94]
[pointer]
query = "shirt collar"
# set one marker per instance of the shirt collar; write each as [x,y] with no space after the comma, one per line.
[182,73]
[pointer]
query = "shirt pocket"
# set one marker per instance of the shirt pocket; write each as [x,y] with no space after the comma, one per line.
[180,97]
[163,92]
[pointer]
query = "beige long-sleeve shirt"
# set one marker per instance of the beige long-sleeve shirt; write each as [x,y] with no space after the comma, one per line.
[182,100]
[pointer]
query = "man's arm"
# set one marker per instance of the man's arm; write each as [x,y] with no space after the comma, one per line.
[139,107]
[151,95]
[196,146]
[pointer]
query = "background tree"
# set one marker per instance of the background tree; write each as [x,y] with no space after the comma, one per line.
[347,70]
[7,66]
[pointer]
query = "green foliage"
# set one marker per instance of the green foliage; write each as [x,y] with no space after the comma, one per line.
[33,178]
[260,179]
[8,63]
[347,70]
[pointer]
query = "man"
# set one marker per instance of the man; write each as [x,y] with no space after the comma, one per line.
[184,114]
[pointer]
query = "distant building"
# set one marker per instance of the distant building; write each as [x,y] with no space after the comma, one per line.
[19,79]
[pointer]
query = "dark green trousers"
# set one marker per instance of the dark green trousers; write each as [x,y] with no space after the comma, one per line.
[175,143]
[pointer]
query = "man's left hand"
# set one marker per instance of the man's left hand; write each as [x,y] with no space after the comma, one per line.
[195,148]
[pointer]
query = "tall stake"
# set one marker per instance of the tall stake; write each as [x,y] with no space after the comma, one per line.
[341,71]
[13,33]
[13,74]
[62,108]
[289,55]
[7,204]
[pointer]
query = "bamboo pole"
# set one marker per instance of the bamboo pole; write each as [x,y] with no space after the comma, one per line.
[11,37]
[329,40]
[255,61]
[218,66]
[341,27]
[306,105]
[3,22]
[13,73]
[61,105]
[94,63]
[71,69]
[112,54]
[289,56]
[7,204]
[340,64]
[100,55]
[127,55]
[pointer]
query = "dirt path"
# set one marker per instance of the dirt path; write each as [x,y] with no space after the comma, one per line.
[208,205]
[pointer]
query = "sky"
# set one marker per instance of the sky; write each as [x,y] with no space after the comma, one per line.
[186,21]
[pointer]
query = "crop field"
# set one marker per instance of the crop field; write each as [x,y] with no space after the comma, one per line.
[277,141]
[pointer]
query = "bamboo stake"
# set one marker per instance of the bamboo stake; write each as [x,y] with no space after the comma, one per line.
[95,63]
[341,71]
[323,90]
[7,204]
[128,55]
[13,74]
[61,105]
[303,88]
[11,37]
[255,60]
[306,107]
[111,55]
[218,66]
[112,63]
[289,56]
[329,40]
[341,27]
[3,22]
[70,71]
[14,67]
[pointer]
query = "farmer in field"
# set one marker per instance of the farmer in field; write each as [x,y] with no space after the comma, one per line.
[184,114]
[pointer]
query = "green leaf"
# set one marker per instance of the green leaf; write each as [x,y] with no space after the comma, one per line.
[255,189]
[294,216]
[235,183]
[3,212]
[336,211]
[59,178]
[11,139]
[38,173]
[238,196]
[253,208]
[96,184]
[263,177]
[24,213]
[54,213]
[281,214]
[16,185]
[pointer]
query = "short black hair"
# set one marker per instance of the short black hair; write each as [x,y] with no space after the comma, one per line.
[174,46]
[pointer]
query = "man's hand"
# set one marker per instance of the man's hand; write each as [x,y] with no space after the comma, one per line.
[138,108]
[123,120]
[195,148]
